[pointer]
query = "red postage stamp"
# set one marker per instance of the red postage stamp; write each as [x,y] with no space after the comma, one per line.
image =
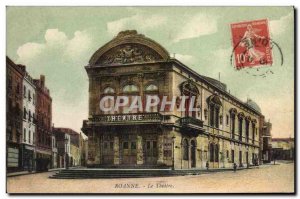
[251,44]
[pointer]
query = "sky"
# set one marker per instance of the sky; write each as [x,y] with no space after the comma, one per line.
[59,41]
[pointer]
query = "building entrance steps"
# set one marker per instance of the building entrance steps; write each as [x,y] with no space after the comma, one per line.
[132,173]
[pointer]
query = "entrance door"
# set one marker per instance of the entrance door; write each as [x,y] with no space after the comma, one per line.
[240,158]
[247,158]
[108,152]
[129,152]
[151,152]
[193,154]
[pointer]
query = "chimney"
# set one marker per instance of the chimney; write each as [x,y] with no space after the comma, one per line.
[42,78]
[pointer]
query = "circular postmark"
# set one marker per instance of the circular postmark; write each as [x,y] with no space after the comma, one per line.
[244,60]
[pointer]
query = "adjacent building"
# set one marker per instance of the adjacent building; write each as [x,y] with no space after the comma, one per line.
[267,142]
[14,114]
[221,131]
[54,157]
[63,141]
[74,145]
[32,142]
[29,123]
[83,149]
[283,148]
[43,125]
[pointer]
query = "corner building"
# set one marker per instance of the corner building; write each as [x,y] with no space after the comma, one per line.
[224,130]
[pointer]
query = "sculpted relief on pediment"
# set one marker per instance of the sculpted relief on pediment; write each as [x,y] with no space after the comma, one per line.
[129,53]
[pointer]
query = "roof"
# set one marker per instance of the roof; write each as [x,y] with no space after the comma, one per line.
[66,130]
[215,82]
[253,104]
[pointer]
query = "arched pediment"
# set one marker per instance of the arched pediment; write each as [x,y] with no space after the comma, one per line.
[189,87]
[214,99]
[241,115]
[233,111]
[129,47]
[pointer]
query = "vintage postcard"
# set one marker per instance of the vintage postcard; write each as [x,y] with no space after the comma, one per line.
[126,100]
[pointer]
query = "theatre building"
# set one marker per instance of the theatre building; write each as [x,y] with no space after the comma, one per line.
[220,129]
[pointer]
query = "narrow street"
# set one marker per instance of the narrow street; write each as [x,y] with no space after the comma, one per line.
[268,178]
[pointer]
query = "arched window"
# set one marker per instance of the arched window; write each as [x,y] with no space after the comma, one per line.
[109,103]
[191,91]
[214,103]
[109,90]
[185,149]
[150,91]
[130,88]
[151,87]
[233,113]
[248,119]
[253,130]
[241,118]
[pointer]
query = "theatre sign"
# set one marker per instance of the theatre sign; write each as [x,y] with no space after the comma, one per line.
[125,118]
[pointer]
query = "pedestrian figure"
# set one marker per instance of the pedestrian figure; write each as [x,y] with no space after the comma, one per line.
[234,167]
[207,165]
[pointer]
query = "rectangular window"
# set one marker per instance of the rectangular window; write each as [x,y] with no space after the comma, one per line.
[111,145]
[154,144]
[24,92]
[133,145]
[105,145]
[125,145]
[24,138]
[29,95]
[211,115]
[232,156]
[29,137]
[227,154]
[227,120]
[24,113]
[148,144]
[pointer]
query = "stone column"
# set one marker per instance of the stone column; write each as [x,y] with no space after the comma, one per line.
[160,145]
[116,150]
[139,150]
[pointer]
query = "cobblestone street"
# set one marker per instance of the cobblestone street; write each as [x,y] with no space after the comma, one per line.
[268,178]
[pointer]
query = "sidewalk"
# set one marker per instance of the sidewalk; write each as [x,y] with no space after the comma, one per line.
[13,174]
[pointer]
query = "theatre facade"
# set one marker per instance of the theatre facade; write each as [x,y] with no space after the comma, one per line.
[224,130]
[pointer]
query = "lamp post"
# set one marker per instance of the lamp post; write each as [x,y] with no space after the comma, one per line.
[173,147]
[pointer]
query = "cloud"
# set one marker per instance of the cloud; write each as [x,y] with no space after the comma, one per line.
[196,26]
[139,22]
[55,37]
[58,41]
[57,57]
[78,45]
[277,27]
[29,50]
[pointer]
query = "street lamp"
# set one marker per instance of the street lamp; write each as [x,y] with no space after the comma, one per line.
[173,147]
